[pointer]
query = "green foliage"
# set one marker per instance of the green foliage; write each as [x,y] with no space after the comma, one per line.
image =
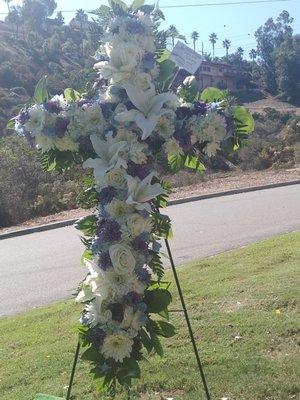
[162,225]
[26,191]
[243,120]
[60,161]
[87,225]
[41,94]
[178,162]
[137,4]
[166,74]
[212,94]
[157,266]
[71,95]
[157,300]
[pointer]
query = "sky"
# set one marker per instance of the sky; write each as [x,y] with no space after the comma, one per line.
[234,22]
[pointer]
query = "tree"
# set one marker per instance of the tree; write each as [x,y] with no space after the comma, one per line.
[34,13]
[173,33]
[286,58]
[194,37]
[60,18]
[253,55]
[269,36]
[226,45]
[213,40]
[13,17]
[81,17]
[240,52]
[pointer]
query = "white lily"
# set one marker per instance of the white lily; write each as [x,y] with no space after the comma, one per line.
[109,158]
[149,108]
[140,192]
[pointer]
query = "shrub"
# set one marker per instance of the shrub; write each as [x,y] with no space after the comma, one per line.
[25,190]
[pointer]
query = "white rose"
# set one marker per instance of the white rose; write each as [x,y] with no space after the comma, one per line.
[116,178]
[136,225]
[144,81]
[122,258]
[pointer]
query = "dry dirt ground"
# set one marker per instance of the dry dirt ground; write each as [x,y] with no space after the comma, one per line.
[271,102]
[190,185]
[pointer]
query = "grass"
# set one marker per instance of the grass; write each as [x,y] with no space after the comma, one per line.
[243,308]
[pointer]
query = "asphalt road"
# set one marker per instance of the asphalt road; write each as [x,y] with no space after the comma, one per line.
[39,268]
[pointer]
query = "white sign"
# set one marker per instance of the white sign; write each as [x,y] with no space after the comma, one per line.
[186,58]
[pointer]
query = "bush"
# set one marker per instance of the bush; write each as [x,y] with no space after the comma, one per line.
[26,191]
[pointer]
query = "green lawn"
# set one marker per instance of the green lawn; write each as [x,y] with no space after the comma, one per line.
[244,312]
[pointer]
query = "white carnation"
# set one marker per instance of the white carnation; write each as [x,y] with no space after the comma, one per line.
[117,346]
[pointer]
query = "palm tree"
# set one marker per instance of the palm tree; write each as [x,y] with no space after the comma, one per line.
[173,33]
[253,54]
[213,40]
[240,52]
[81,17]
[226,44]
[194,37]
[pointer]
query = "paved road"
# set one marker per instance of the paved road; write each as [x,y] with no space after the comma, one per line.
[43,267]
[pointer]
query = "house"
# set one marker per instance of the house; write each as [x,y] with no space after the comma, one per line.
[217,74]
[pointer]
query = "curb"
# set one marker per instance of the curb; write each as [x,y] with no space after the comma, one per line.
[69,222]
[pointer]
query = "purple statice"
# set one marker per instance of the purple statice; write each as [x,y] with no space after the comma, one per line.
[85,144]
[140,244]
[96,336]
[53,106]
[117,311]
[109,231]
[139,170]
[22,117]
[155,142]
[85,103]
[148,62]
[143,275]
[104,261]
[134,27]
[61,126]
[200,108]
[106,109]
[132,299]
[106,195]
[184,139]
[183,112]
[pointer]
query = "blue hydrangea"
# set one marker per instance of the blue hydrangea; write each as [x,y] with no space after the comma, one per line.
[109,231]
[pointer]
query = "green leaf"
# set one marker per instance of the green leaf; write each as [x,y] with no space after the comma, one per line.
[137,4]
[194,163]
[47,397]
[157,265]
[71,95]
[162,225]
[162,328]
[130,369]
[243,119]
[166,73]
[146,340]
[41,94]
[91,354]
[157,300]
[87,225]
[164,55]
[165,314]
[147,9]
[11,124]
[156,344]
[86,256]
[212,94]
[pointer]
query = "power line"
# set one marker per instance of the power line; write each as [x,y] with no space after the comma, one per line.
[194,5]
[224,4]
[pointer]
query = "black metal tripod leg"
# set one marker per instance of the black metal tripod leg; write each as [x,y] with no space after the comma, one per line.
[73,371]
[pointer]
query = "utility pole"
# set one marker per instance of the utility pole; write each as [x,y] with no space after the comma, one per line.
[202,48]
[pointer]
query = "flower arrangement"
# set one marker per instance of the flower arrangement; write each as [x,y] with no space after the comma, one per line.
[121,133]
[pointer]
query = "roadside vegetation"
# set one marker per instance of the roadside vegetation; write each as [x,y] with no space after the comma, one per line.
[245,316]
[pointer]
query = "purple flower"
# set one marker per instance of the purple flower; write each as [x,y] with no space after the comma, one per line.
[22,117]
[155,142]
[109,230]
[144,275]
[53,106]
[61,126]
[183,112]
[184,139]
[229,123]
[200,108]
[139,170]
[135,27]
[106,195]
[140,244]
[148,62]
[132,299]
[104,261]
[117,311]
[96,336]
